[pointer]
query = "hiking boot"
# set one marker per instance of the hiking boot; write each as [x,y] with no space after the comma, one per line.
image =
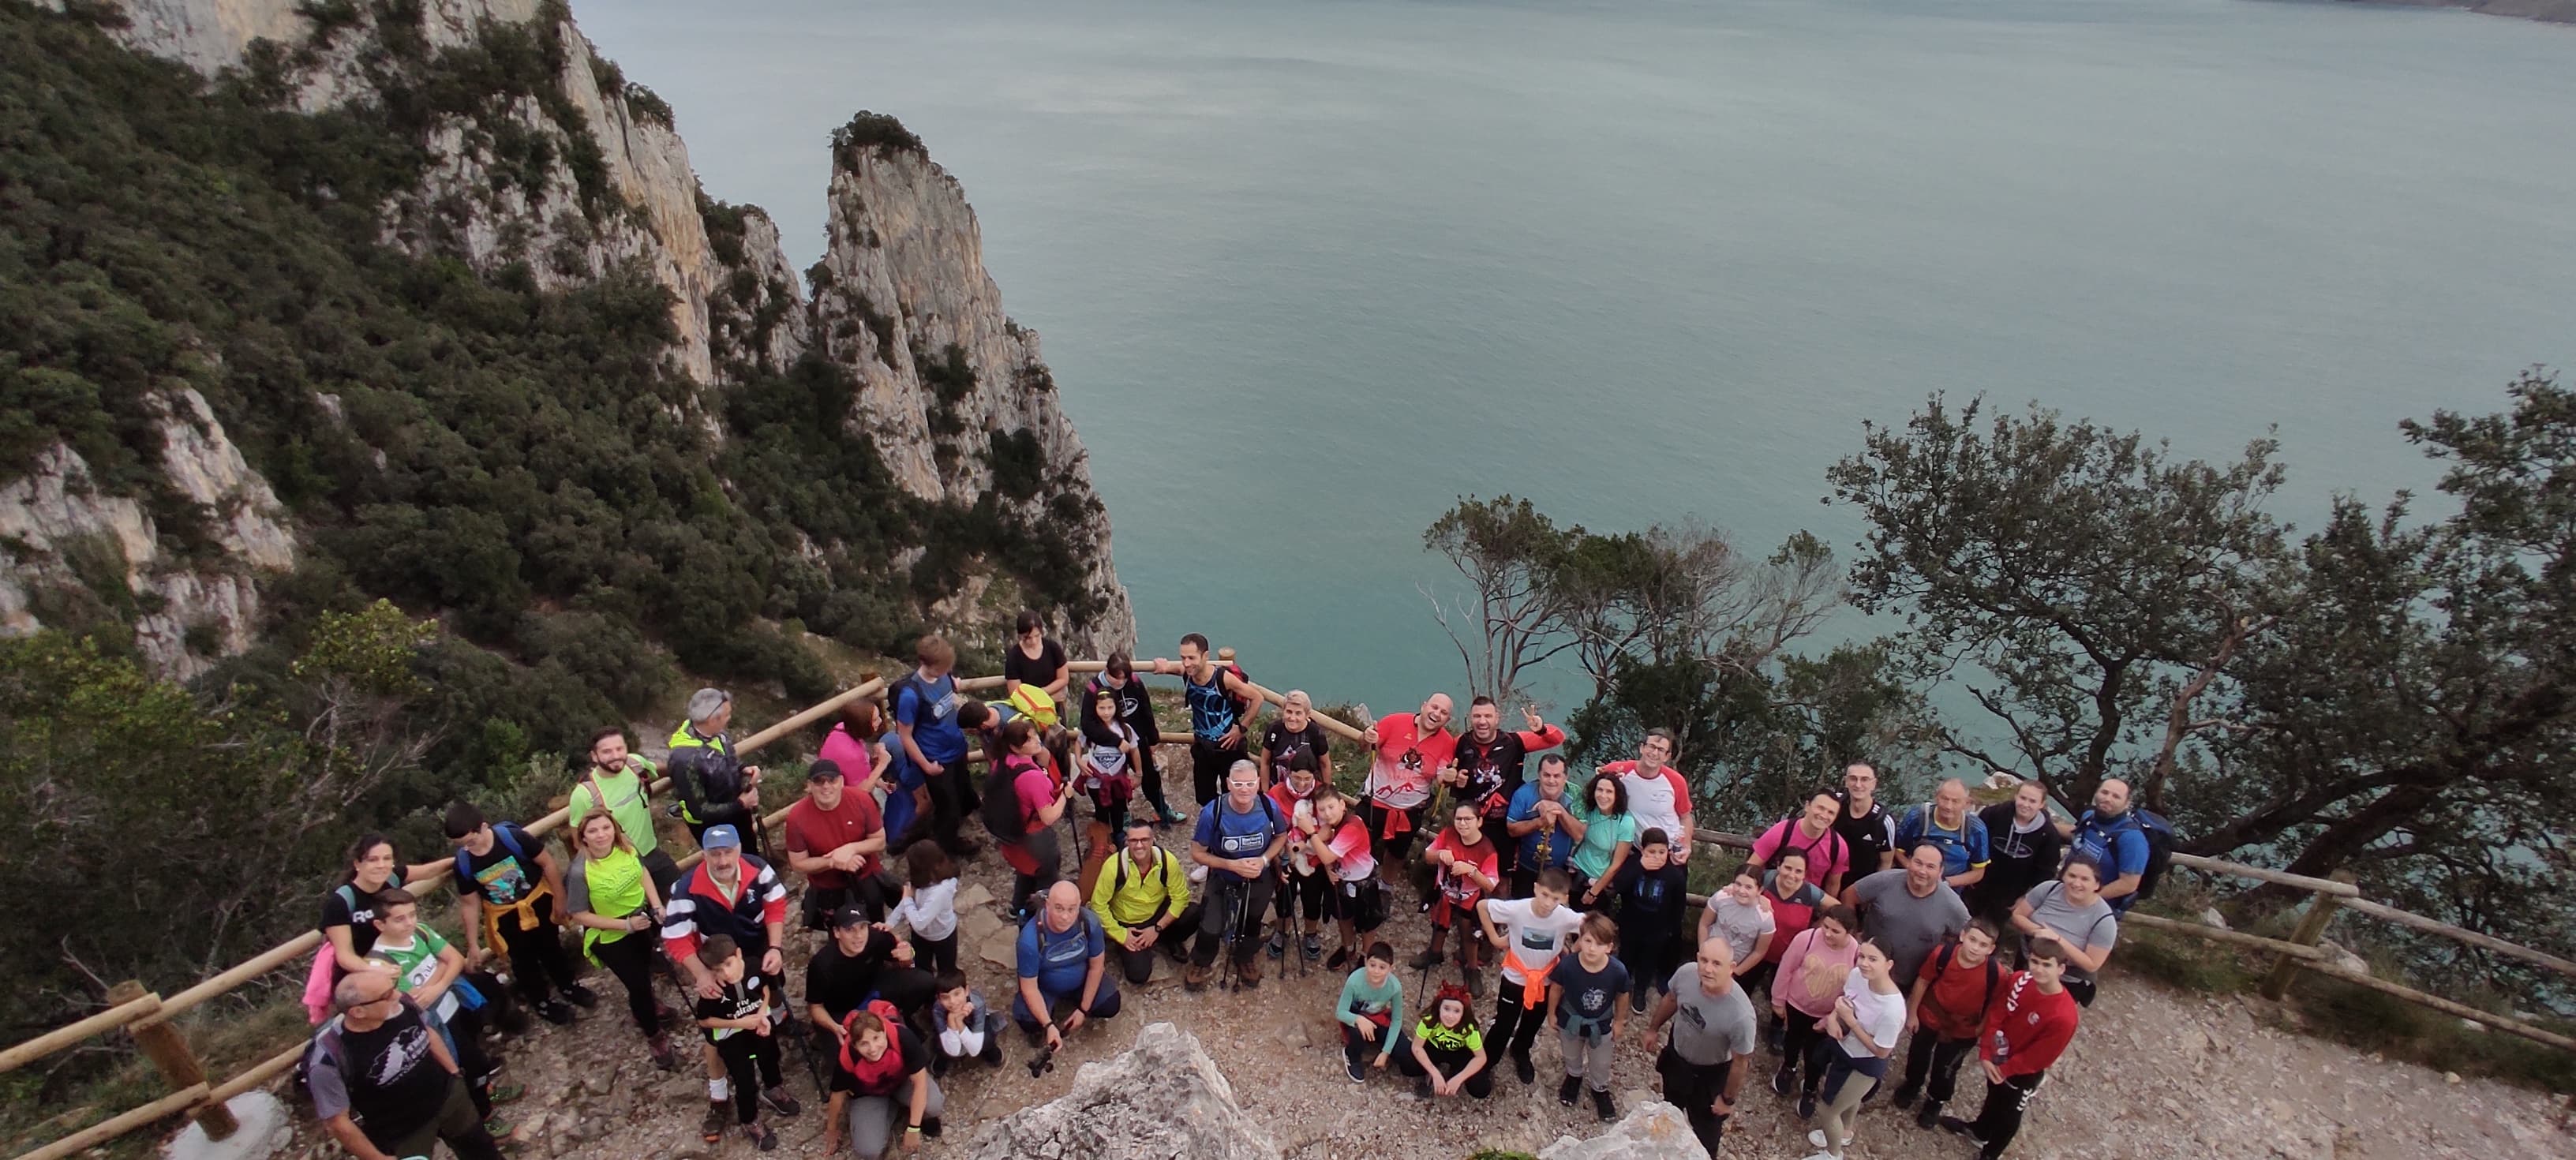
[761,1137]
[1177,948]
[1173,817]
[1357,1073]
[1904,1096]
[1637,1003]
[556,1011]
[1341,958]
[1806,1106]
[1572,1087]
[1247,971]
[1194,979]
[1475,982]
[1278,943]
[1958,1127]
[719,1114]
[581,996]
[930,1127]
[779,1101]
[1930,1117]
[1785,1080]
[663,1058]
[1314,947]
[1602,1106]
[1522,1067]
[1426,960]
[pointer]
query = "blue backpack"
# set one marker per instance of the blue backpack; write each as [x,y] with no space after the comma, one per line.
[2154,827]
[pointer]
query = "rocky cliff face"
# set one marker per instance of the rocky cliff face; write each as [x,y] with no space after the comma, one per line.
[589,175]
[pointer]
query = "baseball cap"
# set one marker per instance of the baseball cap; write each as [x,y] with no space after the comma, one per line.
[720,838]
[847,917]
[823,771]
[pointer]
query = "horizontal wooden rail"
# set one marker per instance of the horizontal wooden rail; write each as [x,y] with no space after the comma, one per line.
[115,1126]
[2504,1023]
[2231,937]
[71,1033]
[2277,877]
[2473,938]
[252,968]
[260,1073]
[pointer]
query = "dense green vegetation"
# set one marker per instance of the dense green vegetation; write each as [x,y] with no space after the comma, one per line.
[583,522]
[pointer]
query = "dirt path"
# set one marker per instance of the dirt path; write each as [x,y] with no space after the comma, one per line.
[2187,1076]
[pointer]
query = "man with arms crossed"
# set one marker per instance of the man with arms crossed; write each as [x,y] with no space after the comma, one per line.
[1711,1049]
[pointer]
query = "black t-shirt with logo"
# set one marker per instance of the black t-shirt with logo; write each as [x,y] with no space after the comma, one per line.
[1017,666]
[360,918]
[1869,836]
[394,1084]
[1282,745]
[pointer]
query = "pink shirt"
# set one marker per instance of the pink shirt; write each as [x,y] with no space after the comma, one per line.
[1400,777]
[1827,855]
[1812,974]
[851,754]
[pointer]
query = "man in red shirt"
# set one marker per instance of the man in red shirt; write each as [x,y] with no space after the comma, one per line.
[1413,750]
[837,840]
[2024,1036]
[1946,1009]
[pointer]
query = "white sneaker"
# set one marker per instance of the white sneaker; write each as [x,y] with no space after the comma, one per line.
[1824,1156]
[1816,1139]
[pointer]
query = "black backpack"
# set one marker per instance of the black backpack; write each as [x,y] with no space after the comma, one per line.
[1002,813]
[2159,834]
[1949,951]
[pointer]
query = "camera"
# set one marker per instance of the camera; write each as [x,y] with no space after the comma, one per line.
[1042,1063]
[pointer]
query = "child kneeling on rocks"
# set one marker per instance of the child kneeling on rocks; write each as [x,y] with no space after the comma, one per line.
[1448,1052]
[967,1028]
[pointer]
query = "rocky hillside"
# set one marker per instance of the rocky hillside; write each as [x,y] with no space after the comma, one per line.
[886,455]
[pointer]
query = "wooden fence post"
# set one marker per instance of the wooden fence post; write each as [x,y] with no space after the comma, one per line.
[2312,930]
[169,1052]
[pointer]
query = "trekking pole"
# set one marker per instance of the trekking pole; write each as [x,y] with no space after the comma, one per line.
[1233,939]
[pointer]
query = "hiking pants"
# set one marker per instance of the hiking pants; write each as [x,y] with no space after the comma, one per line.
[1932,1066]
[537,955]
[1694,1088]
[457,1123]
[747,1056]
[1515,1027]
[1586,1055]
[874,1120]
[2000,1120]
[1231,896]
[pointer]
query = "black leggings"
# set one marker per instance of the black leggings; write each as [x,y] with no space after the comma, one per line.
[1804,1043]
[1208,767]
[1313,890]
[1391,852]
[1042,846]
[2000,1120]
[537,955]
[934,955]
[1932,1065]
[1149,779]
[1515,1026]
[1450,1063]
[631,960]
[746,1053]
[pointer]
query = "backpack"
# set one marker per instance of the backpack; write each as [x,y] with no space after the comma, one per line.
[2159,834]
[1002,813]
[1162,861]
[1832,835]
[1949,951]
[1208,814]
[500,837]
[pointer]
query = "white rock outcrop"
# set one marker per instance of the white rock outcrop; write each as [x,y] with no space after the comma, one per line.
[1650,1131]
[1162,1098]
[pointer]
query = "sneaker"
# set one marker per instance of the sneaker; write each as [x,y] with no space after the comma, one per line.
[1426,960]
[1422,1087]
[663,1057]
[1572,1087]
[581,996]
[1930,1117]
[930,1127]
[1278,943]
[555,1011]
[719,1114]
[1522,1067]
[1602,1106]
[1784,1081]
[1806,1106]
[1904,1097]
[1475,982]
[1357,1073]
[1958,1127]
[1178,949]
[779,1101]
[761,1137]
[503,1093]
[1314,947]
[1173,817]
[1341,958]
[1637,1003]
[1777,1040]
[1422,907]
[1816,1140]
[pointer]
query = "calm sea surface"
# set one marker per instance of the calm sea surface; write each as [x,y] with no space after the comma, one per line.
[1308,271]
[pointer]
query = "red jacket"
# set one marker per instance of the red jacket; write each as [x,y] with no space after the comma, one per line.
[2028,1031]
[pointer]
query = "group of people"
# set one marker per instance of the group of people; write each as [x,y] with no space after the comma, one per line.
[1860,927]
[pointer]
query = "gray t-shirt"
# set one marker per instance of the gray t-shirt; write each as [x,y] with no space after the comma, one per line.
[2086,928]
[1740,925]
[1906,927]
[1709,1029]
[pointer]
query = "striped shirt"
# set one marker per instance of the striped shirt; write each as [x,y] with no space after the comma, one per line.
[699,908]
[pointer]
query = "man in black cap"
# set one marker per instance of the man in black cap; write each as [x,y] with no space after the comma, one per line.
[862,962]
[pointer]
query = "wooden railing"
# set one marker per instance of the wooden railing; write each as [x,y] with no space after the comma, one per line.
[146,1016]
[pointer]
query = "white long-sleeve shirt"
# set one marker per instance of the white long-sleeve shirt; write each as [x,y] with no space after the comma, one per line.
[931,912]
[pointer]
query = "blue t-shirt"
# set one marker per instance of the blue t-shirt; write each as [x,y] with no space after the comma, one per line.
[2119,845]
[1560,845]
[1962,849]
[933,719]
[1060,961]
[1591,997]
[1227,834]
